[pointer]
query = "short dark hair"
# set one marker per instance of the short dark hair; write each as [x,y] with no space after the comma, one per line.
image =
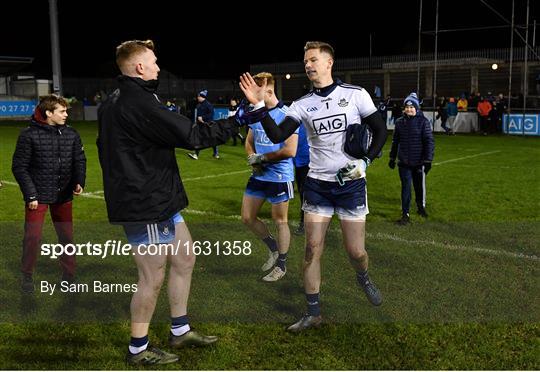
[49,102]
[321,45]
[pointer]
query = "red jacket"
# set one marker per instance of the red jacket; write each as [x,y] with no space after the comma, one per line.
[484,108]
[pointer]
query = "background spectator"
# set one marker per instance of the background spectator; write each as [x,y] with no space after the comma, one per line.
[462,104]
[205,114]
[484,108]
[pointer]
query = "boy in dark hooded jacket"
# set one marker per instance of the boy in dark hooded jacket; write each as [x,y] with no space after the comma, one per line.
[414,147]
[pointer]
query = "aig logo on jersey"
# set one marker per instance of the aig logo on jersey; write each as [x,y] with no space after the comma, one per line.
[330,124]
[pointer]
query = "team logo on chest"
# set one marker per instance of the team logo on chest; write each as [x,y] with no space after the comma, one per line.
[343,102]
[330,124]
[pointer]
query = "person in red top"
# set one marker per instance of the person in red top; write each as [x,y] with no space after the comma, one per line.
[484,108]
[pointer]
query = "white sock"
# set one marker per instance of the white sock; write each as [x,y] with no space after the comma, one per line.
[137,349]
[180,330]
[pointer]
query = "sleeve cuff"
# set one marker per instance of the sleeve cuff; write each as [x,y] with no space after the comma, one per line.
[258,105]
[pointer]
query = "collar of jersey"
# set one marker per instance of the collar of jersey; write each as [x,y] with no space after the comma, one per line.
[325,91]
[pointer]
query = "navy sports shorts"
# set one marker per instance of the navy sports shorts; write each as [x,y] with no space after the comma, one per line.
[274,192]
[324,198]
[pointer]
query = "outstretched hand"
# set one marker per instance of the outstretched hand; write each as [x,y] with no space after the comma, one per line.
[252,91]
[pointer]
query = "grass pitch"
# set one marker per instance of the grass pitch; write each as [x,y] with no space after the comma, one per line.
[460,290]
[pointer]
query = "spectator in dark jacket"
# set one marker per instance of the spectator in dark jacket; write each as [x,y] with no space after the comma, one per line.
[443,114]
[397,112]
[474,101]
[499,109]
[414,146]
[233,107]
[50,167]
[143,191]
[205,114]
[383,107]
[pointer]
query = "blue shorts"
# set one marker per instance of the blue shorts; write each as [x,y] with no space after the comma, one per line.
[274,192]
[325,198]
[153,233]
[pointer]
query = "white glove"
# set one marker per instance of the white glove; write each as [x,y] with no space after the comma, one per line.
[355,169]
[256,159]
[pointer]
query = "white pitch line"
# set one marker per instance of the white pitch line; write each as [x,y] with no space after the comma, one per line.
[206,213]
[382,236]
[216,175]
[454,247]
[369,235]
[90,195]
[467,157]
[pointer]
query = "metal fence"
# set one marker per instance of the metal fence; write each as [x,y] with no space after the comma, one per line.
[378,62]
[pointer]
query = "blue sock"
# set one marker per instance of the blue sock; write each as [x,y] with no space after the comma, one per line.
[313,304]
[180,325]
[282,261]
[271,243]
[138,344]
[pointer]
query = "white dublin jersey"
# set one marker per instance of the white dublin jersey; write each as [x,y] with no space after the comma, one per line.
[326,113]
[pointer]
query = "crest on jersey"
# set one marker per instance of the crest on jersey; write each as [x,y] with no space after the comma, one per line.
[166,230]
[343,102]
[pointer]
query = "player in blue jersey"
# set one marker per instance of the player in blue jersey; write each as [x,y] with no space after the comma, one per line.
[326,112]
[301,170]
[273,174]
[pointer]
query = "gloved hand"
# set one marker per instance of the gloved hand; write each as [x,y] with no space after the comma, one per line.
[427,167]
[353,170]
[257,170]
[256,159]
[392,163]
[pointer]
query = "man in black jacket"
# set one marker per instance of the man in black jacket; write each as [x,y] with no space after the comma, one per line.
[205,114]
[50,167]
[414,146]
[144,193]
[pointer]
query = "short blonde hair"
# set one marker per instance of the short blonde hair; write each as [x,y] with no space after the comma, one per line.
[321,45]
[128,49]
[259,78]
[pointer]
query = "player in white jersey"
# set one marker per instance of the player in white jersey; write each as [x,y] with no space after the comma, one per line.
[326,112]
[271,180]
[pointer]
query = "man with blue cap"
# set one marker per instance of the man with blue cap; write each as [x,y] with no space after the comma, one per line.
[205,114]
